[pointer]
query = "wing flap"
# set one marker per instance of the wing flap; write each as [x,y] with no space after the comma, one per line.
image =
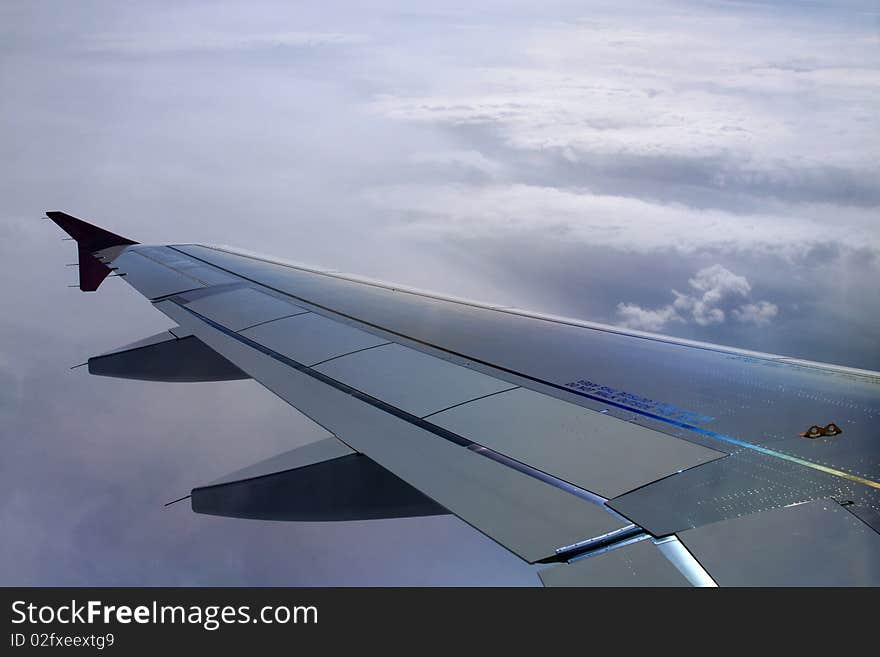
[602,454]
[525,514]
[310,338]
[410,380]
[241,307]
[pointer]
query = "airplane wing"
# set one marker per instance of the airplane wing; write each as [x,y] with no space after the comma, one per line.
[614,457]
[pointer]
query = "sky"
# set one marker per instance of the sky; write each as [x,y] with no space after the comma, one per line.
[707,170]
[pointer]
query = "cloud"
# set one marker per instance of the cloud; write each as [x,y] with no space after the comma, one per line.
[717,285]
[758,314]
[623,223]
[169,43]
[790,117]
[634,316]
[715,291]
[500,151]
[467,161]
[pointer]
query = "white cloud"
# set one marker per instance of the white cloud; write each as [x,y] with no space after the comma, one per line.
[459,159]
[715,291]
[755,103]
[717,282]
[758,314]
[702,312]
[634,316]
[626,224]
[195,41]
[707,130]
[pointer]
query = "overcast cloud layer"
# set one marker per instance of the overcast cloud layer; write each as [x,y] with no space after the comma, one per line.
[704,169]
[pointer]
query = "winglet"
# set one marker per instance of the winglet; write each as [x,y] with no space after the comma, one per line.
[87,235]
[89,238]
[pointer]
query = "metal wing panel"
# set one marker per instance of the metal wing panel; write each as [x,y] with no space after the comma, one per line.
[525,514]
[151,278]
[744,483]
[169,257]
[210,275]
[816,543]
[310,338]
[240,308]
[723,398]
[599,453]
[410,380]
[579,446]
[562,351]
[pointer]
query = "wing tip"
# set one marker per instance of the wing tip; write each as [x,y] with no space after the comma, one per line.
[88,236]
